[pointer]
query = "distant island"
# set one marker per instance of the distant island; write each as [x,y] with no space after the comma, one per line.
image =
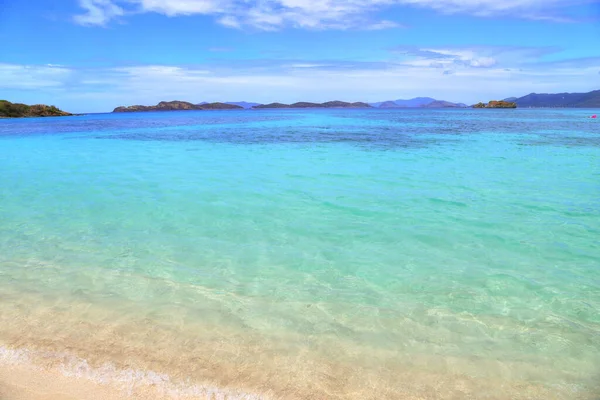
[184,105]
[243,104]
[177,106]
[443,104]
[304,104]
[532,100]
[590,100]
[18,110]
[562,100]
[496,104]
[417,102]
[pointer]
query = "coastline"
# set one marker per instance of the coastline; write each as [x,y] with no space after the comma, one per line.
[27,375]
[145,359]
[22,382]
[44,375]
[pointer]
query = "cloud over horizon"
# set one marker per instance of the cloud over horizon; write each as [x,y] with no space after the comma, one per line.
[464,76]
[308,14]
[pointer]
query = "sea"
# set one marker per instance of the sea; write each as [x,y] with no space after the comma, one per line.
[306,254]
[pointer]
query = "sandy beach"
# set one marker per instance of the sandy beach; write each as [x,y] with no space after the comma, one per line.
[29,383]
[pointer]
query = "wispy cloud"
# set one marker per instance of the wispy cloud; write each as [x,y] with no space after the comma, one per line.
[98,12]
[444,58]
[323,14]
[582,62]
[384,24]
[101,89]
[452,57]
[31,77]
[549,10]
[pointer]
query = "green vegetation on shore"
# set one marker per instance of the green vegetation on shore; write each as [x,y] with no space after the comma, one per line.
[496,104]
[18,110]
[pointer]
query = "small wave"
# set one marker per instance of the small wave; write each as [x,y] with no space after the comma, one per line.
[128,381]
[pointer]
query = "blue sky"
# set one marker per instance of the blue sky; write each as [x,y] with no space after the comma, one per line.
[93,55]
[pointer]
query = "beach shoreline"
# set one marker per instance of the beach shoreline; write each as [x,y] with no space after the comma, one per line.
[21,382]
[48,375]
[23,376]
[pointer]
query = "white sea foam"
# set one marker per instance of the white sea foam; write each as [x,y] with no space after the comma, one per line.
[128,381]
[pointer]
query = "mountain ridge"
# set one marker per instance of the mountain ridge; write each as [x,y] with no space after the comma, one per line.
[417,102]
[560,100]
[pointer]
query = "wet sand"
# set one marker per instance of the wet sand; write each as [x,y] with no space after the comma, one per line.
[23,378]
[82,351]
[30,383]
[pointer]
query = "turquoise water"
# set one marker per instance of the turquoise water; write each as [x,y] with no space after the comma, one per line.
[431,253]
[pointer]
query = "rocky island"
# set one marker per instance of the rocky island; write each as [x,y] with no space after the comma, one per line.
[18,110]
[178,106]
[496,104]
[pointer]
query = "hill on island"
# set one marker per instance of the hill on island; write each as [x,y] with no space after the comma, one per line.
[401,103]
[19,110]
[184,105]
[569,100]
[272,105]
[417,102]
[443,104]
[389,104]
[496,104]
[220,106]
[178,106]
[244,104]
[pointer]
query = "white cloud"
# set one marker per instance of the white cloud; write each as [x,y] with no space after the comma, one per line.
[447,58]
[26,77]
[229,21]
[102,89]
[185,7]
[306,65]
[311,14]
[98,12]
[483,62]
[384,24]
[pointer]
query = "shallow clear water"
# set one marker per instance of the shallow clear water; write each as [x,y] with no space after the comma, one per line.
[311,254]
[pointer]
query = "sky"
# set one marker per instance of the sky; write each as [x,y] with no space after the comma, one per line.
[94,55]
